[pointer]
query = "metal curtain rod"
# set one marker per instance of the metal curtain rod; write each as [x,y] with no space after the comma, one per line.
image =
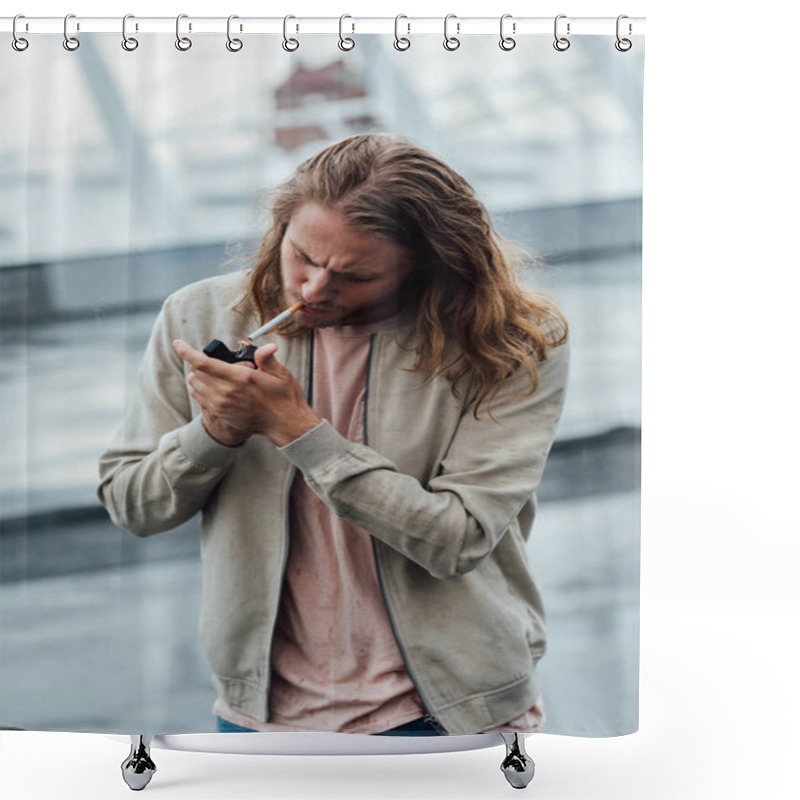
[458,26]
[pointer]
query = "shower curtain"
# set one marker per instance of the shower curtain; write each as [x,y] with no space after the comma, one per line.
[128,173]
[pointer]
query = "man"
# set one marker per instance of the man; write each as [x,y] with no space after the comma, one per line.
[367,489]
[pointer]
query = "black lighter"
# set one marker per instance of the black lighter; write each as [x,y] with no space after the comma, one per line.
[244,352]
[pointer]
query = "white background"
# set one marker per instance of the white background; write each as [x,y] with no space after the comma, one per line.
[720,598]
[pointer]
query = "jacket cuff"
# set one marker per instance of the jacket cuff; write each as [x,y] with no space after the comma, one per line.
[316,449]
[202,449]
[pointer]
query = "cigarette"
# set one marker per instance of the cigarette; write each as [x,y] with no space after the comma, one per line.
[275,321]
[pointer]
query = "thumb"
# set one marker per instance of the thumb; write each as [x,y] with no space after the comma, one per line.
[265,358]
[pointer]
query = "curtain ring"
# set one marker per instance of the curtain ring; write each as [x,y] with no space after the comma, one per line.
[623,45]
[451,42]
[289,45]
[183,43]
[345,42]
[561,43]
[400,42]
[506,42]
[18,43]
[70,42]
[234,45]
[128,42]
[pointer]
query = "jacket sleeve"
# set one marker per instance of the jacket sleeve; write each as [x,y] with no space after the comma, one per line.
[161,465]
[489,472]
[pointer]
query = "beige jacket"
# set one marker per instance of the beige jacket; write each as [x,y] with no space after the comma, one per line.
[449,502]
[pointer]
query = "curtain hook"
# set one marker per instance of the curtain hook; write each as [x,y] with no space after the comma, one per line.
[183,43]
[451,42]
[234,45]
[507,42]
[289,45]
[18,43]
[346,43]
[128,42]
[400,42]
[623,45]
[561,43]
[70,42]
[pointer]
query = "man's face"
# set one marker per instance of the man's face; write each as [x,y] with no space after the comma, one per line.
[342,276]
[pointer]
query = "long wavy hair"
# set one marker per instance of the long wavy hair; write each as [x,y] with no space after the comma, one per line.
[474,320]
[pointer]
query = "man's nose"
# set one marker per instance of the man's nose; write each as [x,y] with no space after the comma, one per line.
[317,287]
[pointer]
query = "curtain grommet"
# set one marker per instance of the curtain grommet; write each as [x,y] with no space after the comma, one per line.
[345,42]
[19,43]
[622,44]
[182,43]
[401,43]
[233,45]
[129,43]
[451,43]
[71,43]
[507,42]
[561,43]
[289,44]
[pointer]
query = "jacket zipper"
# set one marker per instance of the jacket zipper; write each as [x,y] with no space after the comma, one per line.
[287,526]
[428,718]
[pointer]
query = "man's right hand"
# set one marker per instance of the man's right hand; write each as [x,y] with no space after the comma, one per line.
[218,429]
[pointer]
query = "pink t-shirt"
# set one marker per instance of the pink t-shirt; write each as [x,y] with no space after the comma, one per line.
[336,665]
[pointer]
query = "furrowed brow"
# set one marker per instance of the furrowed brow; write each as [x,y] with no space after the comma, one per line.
[305,256]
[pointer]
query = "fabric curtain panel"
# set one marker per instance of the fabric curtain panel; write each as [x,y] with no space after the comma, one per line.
[326,537]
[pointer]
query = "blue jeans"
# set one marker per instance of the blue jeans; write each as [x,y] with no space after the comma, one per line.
[223,726]
[418,727]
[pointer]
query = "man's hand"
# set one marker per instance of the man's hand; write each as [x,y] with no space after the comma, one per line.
[238,401]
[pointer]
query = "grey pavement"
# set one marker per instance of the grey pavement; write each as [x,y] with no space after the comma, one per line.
[115,650]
